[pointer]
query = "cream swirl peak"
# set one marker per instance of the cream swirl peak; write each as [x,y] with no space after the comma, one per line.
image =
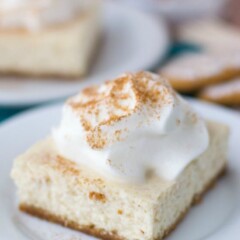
[130,126]
[33,14]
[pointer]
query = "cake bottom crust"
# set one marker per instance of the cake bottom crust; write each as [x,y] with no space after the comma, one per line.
[113,235]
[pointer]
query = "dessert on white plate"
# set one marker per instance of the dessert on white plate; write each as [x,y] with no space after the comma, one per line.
[48,37]
[126,162]
[119,51]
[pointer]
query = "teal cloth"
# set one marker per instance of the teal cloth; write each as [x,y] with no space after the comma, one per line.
[174,50]
[6,113]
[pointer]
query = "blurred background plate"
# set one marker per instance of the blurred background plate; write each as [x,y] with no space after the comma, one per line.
[132,40]
[178,10]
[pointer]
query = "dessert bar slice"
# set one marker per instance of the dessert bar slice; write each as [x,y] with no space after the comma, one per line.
[61,49]
[59,190]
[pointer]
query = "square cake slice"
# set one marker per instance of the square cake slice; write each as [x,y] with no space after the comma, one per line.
[61,49]
[61,191]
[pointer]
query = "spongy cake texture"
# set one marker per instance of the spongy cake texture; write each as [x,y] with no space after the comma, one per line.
[59,190]
[63,50]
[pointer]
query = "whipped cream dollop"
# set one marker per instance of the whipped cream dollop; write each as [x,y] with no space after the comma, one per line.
[34,14]
[129,127]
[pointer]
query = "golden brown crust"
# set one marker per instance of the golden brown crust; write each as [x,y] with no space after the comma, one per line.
[187,86]
[228,98]
[113,235]
[90,229]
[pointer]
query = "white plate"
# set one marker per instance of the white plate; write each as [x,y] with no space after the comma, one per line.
[216,218]
[132,41]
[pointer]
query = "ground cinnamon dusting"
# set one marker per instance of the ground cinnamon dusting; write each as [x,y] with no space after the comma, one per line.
[101,106]
[97,196]
[120,212]
[66,166]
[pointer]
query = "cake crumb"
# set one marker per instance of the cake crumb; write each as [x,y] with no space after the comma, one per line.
[120,212]
[97,196]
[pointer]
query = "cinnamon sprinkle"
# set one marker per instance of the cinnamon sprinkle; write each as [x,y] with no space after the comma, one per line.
[97,197]
[104,105]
